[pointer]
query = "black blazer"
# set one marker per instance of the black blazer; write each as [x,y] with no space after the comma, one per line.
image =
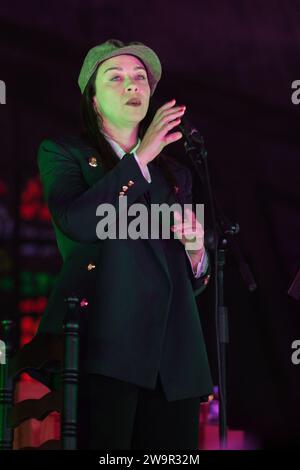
[142,318]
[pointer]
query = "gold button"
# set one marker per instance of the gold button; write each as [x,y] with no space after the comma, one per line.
[130,183]
[91,266]
[124,188]
[93,161]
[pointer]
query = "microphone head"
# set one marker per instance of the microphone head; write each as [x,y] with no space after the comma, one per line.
[190,133]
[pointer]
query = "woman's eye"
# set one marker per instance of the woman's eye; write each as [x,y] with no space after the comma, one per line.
[118,76]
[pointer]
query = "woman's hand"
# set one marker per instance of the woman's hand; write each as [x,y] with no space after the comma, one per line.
[190,232]
[156,138]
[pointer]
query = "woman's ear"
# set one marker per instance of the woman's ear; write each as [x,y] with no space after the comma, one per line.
[95,105]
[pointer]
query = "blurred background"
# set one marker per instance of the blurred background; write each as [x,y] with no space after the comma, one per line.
[232,63]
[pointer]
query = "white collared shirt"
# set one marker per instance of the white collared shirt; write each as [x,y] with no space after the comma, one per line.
[120,152]
[202,265]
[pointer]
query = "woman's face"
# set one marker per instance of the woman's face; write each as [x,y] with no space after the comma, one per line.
[114,87]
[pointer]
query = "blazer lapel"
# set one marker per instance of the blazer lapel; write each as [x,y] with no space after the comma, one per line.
[159,193]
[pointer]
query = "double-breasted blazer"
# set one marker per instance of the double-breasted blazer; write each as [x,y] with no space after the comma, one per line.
[142,318]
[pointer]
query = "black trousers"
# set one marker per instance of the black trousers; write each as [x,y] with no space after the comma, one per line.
[113,414]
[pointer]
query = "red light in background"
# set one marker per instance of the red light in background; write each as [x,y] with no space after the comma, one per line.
[33,305]
[44,214]
[29,211]
[32,203]
[33,190]
[28,327]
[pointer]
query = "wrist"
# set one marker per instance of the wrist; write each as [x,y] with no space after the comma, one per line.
[142,158]
[196,256]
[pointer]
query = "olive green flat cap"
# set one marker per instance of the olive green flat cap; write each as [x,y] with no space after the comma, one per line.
[114,47]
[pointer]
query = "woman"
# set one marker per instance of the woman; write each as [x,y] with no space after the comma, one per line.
[143,360]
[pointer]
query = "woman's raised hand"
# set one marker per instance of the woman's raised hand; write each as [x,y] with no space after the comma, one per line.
[156,136]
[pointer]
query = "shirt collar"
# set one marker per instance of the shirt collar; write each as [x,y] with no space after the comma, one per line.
[119,151]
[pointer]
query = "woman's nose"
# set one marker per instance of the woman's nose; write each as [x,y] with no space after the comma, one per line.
[131,86]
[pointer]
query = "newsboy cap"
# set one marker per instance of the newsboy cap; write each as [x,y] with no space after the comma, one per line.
[114,47]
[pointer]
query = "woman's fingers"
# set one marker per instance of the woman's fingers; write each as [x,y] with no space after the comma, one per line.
[164,108]
[188,231]
[189,217]
[156,136]
[169,138]
[167,113]
[188,234]
[186,225]
[190,220]
[167,122]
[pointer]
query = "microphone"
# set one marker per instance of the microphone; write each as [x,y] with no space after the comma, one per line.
[190,133]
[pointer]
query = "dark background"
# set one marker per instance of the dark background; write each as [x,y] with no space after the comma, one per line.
[232,63]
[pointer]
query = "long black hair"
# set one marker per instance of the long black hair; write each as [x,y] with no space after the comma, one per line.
[92,133]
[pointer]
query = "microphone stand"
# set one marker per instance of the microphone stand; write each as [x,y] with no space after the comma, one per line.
[222,229]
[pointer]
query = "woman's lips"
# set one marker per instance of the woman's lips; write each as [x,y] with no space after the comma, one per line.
[133,104]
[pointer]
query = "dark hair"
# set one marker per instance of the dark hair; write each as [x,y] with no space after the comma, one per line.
[93,134]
